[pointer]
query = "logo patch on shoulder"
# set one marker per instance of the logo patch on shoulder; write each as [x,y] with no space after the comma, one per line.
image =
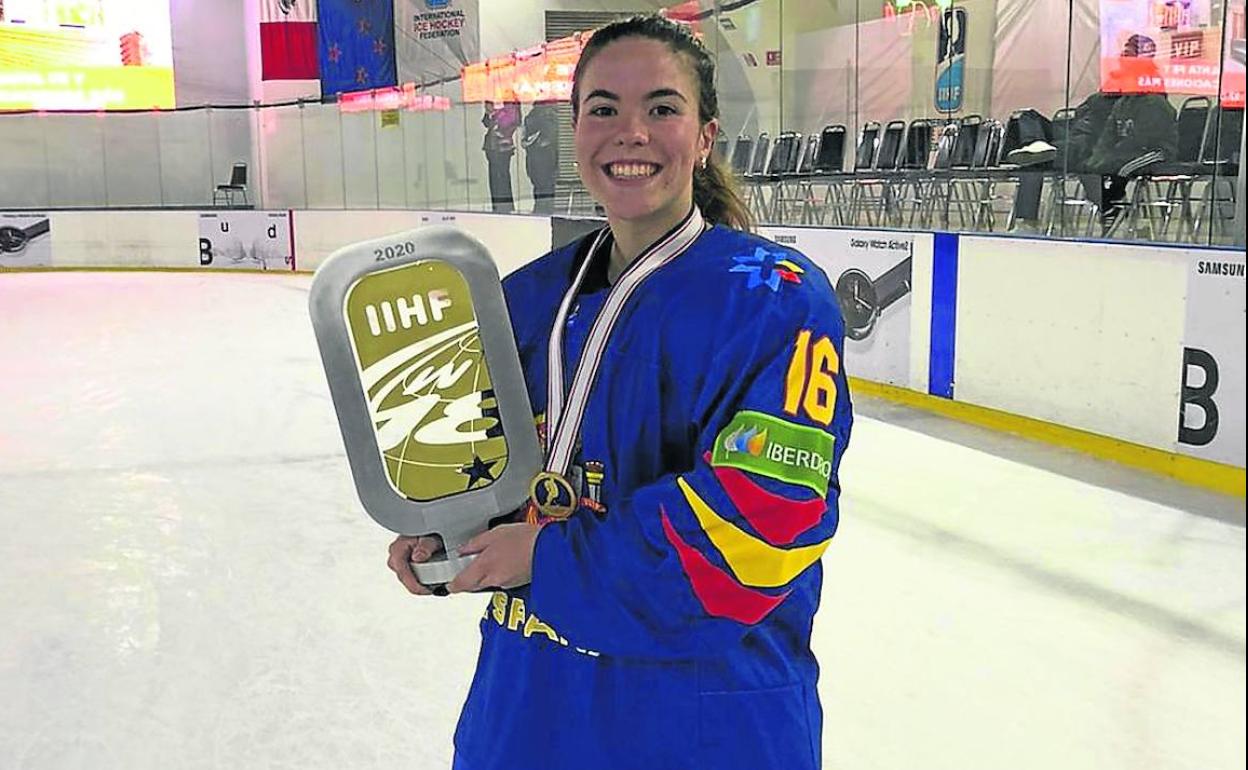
[767,268]
[776,448]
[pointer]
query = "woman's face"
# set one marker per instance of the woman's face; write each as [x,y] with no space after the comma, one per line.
[638,137]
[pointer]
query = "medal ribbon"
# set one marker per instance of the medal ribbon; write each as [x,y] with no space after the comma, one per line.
[564,416]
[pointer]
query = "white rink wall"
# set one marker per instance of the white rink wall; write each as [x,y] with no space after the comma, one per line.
[1089,336]
[1093,336]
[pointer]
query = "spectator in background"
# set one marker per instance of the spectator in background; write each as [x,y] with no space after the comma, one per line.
[541,154]
[1139,130]
[501,121]
[1112,137]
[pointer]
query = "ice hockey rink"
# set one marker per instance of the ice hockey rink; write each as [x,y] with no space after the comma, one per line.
[187,579]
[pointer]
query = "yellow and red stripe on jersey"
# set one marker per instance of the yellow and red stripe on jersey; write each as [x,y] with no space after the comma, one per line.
[755,562]
[777,518]
[717,591]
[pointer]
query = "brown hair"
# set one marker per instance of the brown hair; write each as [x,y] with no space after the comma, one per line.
[714,188]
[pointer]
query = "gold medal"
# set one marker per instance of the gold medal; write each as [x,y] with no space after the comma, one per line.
[553,495]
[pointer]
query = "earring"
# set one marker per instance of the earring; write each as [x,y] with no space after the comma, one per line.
[704,163]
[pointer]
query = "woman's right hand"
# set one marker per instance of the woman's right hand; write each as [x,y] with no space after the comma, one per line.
[404,551]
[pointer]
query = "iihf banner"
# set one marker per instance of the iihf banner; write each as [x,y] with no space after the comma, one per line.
[871,272]
[435,38]
[356,45]
[246,240]
[1211,401]
[951,60]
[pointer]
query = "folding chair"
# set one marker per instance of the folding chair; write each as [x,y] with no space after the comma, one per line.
[872,194]
[782,171]
[755,177]
[742,151]
[1166,188]
[913,165]
[224,193]
[826,170]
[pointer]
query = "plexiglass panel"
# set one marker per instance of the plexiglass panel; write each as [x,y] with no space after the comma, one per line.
[1118,119]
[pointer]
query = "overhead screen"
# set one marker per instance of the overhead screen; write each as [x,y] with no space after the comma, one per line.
[1178,47]
[85,55]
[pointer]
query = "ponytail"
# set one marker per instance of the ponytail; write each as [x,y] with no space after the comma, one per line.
[716,194]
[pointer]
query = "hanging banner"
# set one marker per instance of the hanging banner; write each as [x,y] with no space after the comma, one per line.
[288,40]
[25,240]
[246,240]
[1211,401]
[871,272]
[951,60]
[436,38]
[356,45]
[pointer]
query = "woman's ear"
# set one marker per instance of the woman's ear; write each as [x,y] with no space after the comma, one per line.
[710,130]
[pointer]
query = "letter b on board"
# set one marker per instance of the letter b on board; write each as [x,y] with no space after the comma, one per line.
[1200,396]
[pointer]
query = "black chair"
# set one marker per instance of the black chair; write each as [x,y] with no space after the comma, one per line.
[784,154]
[224,193]
[755,176]
[1210,211]
[1062,119]
[1165,189]
[831,156]
[1192,119]
[954,153]
[868,141]
[828,171]
[781,177]
[1220,158]
[918,146]
[762,151]
[946,142]
[968,140]
[811,151]
[872,194]
[973,189]
[742,151]
[912,164]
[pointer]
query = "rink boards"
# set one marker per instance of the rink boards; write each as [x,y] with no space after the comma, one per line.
[1140,344]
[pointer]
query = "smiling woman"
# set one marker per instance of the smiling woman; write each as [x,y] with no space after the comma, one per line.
[637,145]
[653,603]
[646,115]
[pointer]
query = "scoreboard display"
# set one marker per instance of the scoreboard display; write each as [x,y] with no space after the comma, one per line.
[85,55]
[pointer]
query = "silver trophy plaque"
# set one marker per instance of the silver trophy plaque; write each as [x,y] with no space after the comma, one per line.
[422,367]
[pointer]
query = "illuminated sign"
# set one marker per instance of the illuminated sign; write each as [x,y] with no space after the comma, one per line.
[404,97]
[911,13]
[540,73]
[85,55]
[1172,47]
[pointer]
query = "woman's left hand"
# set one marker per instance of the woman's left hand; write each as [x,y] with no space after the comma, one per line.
[504,559]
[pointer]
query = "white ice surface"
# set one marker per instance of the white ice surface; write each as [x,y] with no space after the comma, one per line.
[187,580]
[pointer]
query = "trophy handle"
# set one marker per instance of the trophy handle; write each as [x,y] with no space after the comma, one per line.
[441,569]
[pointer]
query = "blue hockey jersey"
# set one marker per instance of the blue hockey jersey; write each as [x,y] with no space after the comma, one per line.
[668,621]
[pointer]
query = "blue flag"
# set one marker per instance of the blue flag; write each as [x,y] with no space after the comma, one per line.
[356,44]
